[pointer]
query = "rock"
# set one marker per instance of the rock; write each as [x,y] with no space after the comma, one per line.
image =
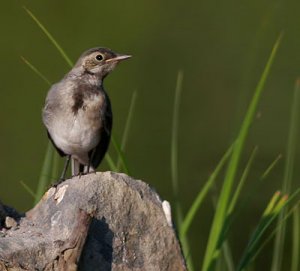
[103,221]
[10,222]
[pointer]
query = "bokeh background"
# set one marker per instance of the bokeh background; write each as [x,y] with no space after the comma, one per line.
[221,47]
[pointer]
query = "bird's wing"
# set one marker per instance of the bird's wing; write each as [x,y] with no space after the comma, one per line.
[97,154]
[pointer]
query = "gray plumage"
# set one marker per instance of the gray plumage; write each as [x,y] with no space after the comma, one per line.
[77,111]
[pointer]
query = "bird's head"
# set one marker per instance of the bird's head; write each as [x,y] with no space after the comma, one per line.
[99,61]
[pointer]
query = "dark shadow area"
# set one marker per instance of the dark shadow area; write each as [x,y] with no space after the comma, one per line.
[8,211]
[97,252]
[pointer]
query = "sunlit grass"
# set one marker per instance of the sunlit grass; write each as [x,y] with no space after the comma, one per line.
[122,161]
[36,71]
[202,194]
[50,37]
[28,189]
[174,169]
[273,209]
[45,174]
[213,245]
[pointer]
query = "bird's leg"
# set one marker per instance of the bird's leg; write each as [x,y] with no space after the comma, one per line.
[88,166]
[63,175]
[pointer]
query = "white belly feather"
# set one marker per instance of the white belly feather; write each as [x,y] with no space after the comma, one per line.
[77,134]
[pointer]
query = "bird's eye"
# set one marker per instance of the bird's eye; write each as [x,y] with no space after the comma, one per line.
[99,57]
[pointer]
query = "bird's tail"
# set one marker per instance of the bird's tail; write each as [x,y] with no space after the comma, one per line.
[78,168]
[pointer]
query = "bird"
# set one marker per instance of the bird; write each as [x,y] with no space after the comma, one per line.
[77,113]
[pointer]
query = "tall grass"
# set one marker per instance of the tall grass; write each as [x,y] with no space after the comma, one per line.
[212,250]
[174,145]
[287,182]
[218,253]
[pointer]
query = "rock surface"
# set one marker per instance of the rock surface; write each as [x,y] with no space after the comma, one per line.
[103,221]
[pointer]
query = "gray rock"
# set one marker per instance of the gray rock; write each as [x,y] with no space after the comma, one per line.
[103,221]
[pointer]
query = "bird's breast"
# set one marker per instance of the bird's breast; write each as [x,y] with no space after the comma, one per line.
[79,132]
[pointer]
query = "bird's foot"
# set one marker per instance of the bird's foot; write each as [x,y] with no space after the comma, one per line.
[84,173]
[55,184]
[77,175]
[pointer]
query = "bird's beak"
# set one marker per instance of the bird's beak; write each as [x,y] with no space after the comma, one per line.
[118,58]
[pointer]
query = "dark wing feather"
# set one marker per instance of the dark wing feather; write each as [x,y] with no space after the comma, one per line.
[97,154]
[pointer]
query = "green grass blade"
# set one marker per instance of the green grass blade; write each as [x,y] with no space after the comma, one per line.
[277,203]
[45,174]
[296,239]
[220,265]
[174,168]
[202,194]
[174,148]
[272,234]
[242,181]
[55,167]
[226,249]
[270,167]
[36,71]
[263,225]
[184,241]
[127,127]
[50,37]
[288,176]
[274,208]
[225,260]
[174,136]
[55,163]
[292,140]
[228,256]
[112,166]
[222,207]
[272,203]
[120,155]
[28,189]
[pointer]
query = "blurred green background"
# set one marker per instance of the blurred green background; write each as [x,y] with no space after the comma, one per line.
[221,47]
